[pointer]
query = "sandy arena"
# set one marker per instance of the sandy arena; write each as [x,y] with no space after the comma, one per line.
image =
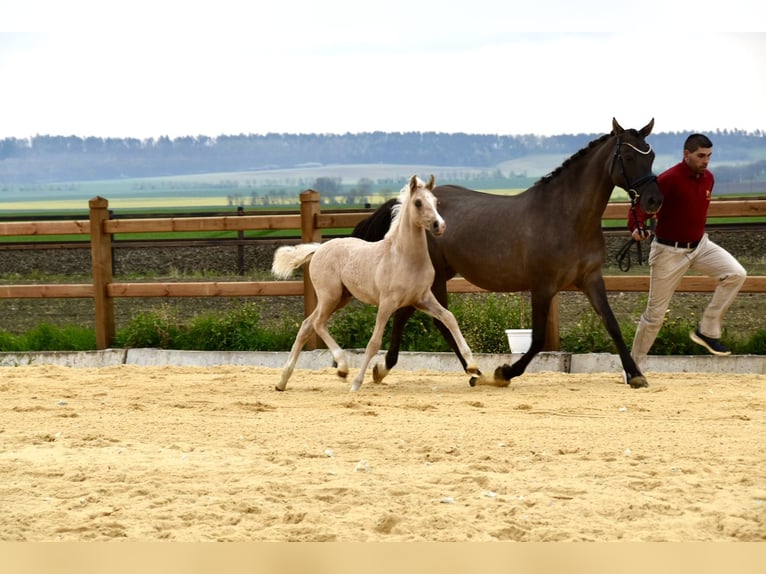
[215,454]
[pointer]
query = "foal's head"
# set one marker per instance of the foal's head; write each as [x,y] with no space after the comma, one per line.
[417,206]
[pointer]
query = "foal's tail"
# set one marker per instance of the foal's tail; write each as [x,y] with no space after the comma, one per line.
[290,257]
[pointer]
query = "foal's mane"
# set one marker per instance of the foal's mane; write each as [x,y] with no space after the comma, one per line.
[396,210]
[574,158]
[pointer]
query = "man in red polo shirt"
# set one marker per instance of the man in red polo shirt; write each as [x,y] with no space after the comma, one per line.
[680,244]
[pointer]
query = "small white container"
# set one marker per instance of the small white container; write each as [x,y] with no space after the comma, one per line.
[519,340]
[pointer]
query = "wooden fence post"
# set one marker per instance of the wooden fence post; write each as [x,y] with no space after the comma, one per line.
[240,245]
[310,208]
[552,334]
[101,261]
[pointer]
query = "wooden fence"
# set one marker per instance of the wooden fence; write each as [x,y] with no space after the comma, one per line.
[311,221]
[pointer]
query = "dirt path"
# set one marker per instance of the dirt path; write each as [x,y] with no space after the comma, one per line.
[145,453]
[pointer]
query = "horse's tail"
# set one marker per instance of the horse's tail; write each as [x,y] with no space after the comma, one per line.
[288,258]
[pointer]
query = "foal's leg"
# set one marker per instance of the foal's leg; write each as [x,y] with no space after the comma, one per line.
[300,340]
[317,322]
[381,369]
[439,289]
[431,306]
[338,354]
[373,345]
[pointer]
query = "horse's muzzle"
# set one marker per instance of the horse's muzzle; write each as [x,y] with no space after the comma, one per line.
[651,198]
[652,205]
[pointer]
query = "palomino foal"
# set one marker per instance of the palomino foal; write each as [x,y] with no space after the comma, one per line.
[392,273]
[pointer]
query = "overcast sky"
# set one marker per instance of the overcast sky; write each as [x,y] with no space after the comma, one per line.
[147,69]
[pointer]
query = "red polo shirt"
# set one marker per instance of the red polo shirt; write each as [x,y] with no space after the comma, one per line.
[685,201]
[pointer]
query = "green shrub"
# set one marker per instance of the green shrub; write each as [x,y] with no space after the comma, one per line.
[483,318]
[589,335]
[240,329]
[9,342]
[150,329]
[47,337]
[352,326]
[756,345]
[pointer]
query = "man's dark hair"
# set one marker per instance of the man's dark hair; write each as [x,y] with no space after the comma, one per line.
[696,141]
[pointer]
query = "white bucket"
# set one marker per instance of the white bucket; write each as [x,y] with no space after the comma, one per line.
[519,340]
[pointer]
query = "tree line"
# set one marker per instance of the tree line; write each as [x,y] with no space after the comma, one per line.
[48,158]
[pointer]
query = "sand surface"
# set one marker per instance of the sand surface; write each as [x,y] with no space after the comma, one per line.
[198,454]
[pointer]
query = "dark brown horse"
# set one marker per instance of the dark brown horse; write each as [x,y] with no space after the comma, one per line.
[542,240]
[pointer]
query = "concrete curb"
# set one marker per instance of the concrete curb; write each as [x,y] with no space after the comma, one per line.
[320,359]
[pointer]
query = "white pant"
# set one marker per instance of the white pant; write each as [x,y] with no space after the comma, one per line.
[667,265]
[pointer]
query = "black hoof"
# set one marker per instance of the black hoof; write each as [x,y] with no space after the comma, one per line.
[638,382]
[472,381]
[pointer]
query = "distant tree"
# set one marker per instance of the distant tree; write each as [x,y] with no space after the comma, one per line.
[365,185]
[328,185]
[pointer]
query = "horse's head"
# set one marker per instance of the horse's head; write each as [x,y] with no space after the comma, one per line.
[631,166]
[420,202]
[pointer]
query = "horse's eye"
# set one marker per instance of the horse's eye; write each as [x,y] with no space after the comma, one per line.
[418,203]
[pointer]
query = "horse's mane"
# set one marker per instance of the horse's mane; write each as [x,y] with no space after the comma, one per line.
[571,159]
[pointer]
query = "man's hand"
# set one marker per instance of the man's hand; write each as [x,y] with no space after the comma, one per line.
[640,235]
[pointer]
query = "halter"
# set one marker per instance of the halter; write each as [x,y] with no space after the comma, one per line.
[632,189]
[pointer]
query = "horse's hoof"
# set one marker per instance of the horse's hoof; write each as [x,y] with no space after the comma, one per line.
[481,380]
[378,373]
[343,374]
[638,382]
[278,388]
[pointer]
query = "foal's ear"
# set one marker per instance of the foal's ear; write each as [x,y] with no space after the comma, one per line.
[413,183]
[431,183]
[616,128]
[647,129]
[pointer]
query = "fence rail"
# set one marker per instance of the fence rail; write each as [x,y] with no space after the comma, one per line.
[310,221]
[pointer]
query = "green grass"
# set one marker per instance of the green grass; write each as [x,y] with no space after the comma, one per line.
[483,319]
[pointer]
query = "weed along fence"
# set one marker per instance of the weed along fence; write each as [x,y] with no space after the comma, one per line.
[103,289]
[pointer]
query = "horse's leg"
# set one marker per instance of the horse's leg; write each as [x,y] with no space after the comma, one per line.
[541,305]
[444,317]
[595,290]
[401,316]
[373,345]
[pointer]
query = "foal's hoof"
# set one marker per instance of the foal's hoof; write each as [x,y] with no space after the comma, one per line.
[474,371]
[343,374]
[638,382]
